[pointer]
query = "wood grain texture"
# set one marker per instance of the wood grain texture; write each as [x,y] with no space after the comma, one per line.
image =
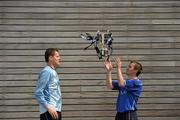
[144,30]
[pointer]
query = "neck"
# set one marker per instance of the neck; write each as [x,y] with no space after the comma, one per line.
[132,77]
[52,66]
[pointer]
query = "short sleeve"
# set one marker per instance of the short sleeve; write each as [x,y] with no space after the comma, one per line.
[133,86]
[115,85]
[129,83]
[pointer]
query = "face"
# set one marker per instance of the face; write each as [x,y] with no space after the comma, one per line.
[130,71]
[55,59]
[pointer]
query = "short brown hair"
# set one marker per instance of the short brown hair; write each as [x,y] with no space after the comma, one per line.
[138,67]
[50,52]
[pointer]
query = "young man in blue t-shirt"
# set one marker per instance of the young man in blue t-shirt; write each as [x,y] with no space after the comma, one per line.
[129,89]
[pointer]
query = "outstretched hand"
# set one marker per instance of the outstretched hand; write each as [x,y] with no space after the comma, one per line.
[108,65]
[118,62]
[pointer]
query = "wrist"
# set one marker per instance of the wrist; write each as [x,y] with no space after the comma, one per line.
[119,67]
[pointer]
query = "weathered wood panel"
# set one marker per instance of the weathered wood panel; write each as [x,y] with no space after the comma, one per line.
[144,30]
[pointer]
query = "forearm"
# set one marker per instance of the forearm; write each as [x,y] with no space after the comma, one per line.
[121,81]
[109,80]
[40,98]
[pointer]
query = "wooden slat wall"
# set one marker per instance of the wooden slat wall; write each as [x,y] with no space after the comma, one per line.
[145,30]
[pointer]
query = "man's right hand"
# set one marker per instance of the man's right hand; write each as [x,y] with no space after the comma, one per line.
[108,65]
[52,112]
[118,62]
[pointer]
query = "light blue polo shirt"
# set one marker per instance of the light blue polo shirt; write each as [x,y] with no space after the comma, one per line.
[48,90]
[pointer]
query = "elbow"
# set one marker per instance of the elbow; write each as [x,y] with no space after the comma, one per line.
[122,84]
[39,98]
[109,86]
[36,95]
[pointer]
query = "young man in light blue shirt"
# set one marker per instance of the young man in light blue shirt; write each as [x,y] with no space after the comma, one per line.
[129,89]
[47,92]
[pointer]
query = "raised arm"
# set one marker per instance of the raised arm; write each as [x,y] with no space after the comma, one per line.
[121,81]
[108,67]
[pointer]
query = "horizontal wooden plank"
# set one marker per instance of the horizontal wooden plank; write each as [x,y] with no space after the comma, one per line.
[81,46]
[85,95]
[80,64]
[132,23]
[88,1]
[152,82]
[91,10]
[144,30]
[145,88]
[30,89]
[100,118]
[90,107]
[94,16]
[83,64]
[92,76]
[94,27]
[93,52]
[74,37]
[145,82]
[156,118]
[17,89]
[89,4]
[12,71]
[163,113]
[40,58]
[92,101]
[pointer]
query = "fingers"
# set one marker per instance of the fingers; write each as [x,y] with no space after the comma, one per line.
[52,112]
[107,62]
[54,115]
[108,65]
[117,60]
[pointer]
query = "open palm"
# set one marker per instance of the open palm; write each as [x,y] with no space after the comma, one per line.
[108,65]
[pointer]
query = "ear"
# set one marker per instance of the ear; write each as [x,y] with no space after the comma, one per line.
[50,58]
[135,71]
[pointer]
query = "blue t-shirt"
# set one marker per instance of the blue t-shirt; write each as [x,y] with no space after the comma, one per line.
[128,95]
